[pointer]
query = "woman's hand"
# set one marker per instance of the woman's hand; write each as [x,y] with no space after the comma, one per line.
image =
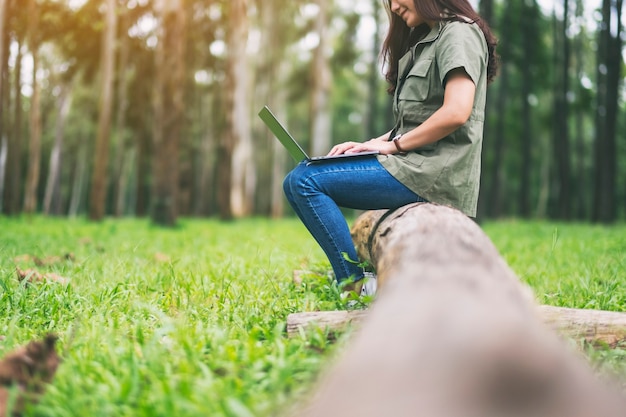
[382,146]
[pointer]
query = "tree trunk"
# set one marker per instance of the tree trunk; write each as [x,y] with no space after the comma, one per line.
[169,112]
[4,150]
[263,79]
[280,161]
[121,152]
[373,82]
[187,144]
[235,89]
[143,172]
[608,73]
[205,161]
[614,62]
[499,134]
[224,175]
[596,327]
[271,69]
[97,200]
[12,192]
[243,179]
[599,152]
[4,58]
[452,332]
[527,141]
[544,180]
[52,198]
[581,150]
[125,202]
[484,196]
[4,99]
[486,10]
[561,143]
[3,52]
[34,150]
[78,182]
[321,83]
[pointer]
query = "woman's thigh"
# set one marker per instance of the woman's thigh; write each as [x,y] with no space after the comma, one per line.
[358,183]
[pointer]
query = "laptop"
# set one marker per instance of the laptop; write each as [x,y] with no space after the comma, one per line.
[295,150]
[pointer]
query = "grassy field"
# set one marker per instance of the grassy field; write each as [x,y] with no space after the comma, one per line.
[191,321]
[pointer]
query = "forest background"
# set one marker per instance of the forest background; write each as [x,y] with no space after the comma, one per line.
[148,108]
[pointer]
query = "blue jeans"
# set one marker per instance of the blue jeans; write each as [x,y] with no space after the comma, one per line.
[316,191]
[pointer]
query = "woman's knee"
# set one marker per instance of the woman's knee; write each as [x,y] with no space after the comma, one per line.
[288,183]
[295,181]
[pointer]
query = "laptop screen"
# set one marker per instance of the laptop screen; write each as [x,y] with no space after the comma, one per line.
[294,149]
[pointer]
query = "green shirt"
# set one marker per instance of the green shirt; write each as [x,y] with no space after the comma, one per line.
[448,171]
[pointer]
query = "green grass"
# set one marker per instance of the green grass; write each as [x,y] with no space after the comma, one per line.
[191,321]
[572,265]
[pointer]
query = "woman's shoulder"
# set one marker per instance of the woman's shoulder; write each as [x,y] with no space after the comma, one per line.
[464,30]
[464,25]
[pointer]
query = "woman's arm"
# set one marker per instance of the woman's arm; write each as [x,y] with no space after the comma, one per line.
[456,109]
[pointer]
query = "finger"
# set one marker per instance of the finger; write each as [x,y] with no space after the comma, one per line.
[359,148]
[335,150]
[341,148]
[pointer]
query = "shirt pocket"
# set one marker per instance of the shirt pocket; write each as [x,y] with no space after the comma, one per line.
[417,83]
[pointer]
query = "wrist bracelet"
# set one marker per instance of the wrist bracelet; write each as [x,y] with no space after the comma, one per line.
[396,141]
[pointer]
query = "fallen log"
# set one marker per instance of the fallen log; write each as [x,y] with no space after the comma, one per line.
[596,327]
[452,332]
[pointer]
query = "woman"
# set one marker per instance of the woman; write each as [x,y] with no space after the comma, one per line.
[440,55]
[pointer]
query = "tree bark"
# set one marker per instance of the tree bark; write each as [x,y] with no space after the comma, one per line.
[80,170]
[4,150]
[270,70]
[320,88]
[51,201]
[373,79]
[4,58]
[561,141]
[101,157]
[205,161]
[451,333]
[614,63]
[3,53]
[169,112]
[605,328]
[4,99]
[122,151]
[279,168]
[484,197]
[231,178]
[496,205]
[581,150]
[527,141]
[486,10]
[608,73]
[34,145]
[126,201]
[12,192]
[243,168]
[142,190]
[598,212]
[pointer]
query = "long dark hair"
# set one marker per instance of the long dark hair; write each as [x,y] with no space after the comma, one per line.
[400,37]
